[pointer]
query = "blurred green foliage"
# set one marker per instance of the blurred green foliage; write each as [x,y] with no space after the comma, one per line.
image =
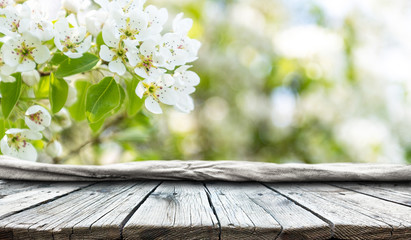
[281,81]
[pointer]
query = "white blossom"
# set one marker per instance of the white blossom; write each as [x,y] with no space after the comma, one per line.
[184,103]
[72,41]
[125,6]
[5,3]
[178,49]
[116,56]
[16,143]
[185,77]
[24,52]
[146,60]
[74,6]
[156,19]
[37,118]
[62,121]
[15,20]
[128,26]
[6,71]
[40,26]
[31,78]
[184,85]
[49,10]
[156,90]
[95,20]
[182,25]
[54,149]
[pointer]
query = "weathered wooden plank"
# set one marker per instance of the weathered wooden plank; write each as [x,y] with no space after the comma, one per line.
[252,211]
[396,215]
[175,210]
[402,187]
[75,214]
[13,187]
[346,222]
[17,196]
[108,224]
[392,195]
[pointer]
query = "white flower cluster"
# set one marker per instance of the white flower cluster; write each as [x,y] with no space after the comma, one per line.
[16,141]
[133,41]
[27,28]
[128,39]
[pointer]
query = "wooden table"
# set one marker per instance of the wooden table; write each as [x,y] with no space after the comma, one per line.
[196,210]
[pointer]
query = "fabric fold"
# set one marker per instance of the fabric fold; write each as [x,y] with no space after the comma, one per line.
[196,170]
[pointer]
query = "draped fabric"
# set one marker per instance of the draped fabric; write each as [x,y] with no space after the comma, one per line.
[11,168]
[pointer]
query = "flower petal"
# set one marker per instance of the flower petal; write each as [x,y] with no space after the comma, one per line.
[140,89]
[54,149]
[182,26]
[85,45]
[117,67]
[138,21]
[41,54]
[32,135]
[9,55]
[73,55]
[190,78]
[26,65]
[5,149]
[185,104]
[108,36]
[105,53]
[141,72]
[148,48]
[28,152]
[152,105]
[167,96]
[168,80]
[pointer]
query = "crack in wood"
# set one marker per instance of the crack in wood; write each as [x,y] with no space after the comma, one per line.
[207,191]
[124,222]
[331,224]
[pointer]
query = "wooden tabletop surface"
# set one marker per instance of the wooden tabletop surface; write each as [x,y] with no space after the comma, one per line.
[197,210]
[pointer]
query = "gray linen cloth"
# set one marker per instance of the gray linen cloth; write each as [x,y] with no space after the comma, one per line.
[11,168]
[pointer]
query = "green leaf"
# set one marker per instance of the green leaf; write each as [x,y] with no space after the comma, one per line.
[134,103]
[2,127]
[72,66]
[101,99]
[122,97]
[43,87]
[58,58]
[95,127]
[58,93]
[99,40]
[78,109]
[10,94]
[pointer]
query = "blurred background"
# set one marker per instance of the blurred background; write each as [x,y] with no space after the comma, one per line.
[308,81]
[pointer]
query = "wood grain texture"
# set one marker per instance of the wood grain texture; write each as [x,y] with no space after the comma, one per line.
[74,215]
[175,210]
[108,223]
[394,192]
[252,211]
[16,196]
[346,222]
[396,215]
[193,210]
